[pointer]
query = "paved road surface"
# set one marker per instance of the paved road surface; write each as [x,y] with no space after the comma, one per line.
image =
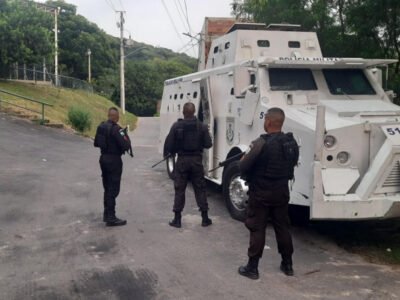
[53,244]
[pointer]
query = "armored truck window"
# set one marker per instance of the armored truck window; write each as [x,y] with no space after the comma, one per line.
[263,43]
[216,49]
[294,44]
[348,82]
[291,80]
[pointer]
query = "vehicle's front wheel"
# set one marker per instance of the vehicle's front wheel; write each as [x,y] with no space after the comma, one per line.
[171,166]
[235,192]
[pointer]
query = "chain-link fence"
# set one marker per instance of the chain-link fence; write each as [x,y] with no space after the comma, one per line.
[37,76]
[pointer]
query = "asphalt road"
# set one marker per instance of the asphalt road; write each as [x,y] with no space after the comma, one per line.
[53,244]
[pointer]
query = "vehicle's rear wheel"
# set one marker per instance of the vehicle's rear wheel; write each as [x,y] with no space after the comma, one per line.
[235,192]
[171,166]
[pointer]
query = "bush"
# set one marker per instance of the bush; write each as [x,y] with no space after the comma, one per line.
[79,118]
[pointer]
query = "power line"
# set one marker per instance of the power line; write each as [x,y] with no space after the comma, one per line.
[180,14]
[185,21]
[111,5]
[122,5]
[185,46]
[187,16]
[192,47]
[172,20]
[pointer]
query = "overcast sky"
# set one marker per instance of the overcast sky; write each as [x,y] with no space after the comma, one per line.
[148,20]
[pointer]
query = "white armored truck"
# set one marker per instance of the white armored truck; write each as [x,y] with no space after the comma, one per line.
[345,123]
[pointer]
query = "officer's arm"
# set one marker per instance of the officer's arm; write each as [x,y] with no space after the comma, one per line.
[249,159]
[123,142]
[207,141]
[169,142]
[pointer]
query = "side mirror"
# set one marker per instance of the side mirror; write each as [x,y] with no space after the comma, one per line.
[252,88]
[391,95]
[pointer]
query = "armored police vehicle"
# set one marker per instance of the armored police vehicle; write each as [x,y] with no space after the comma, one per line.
[345,123]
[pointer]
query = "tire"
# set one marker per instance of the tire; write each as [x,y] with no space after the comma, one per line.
[171,161]
[236,202]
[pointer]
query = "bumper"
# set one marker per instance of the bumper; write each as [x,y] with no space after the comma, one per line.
[364,204]
[348,209]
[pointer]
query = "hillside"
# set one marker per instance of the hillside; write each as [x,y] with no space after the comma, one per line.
[26,36]
[62,100]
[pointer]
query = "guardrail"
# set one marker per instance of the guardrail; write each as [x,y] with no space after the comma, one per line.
[43,104]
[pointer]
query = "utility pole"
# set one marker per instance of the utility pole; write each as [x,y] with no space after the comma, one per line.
[44,69]
[89,53]
[122,63]
[56,12]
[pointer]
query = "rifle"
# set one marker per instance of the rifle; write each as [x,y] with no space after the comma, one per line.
[130,151]
[164,159]
[228,161]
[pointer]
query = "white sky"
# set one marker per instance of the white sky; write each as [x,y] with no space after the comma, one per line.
[148,21]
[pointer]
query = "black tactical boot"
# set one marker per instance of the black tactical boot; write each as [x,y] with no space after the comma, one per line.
[287,266]
[251,269]
[206,221]
[176,222]
[112,220]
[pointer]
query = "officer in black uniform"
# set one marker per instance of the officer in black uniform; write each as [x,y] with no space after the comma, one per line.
[113,142]
[267,167]
[187,138]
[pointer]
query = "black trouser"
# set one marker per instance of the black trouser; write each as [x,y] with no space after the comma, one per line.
[189,168]
[111,171]
[271,204]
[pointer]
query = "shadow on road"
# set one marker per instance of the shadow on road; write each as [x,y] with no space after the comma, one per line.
[378,241]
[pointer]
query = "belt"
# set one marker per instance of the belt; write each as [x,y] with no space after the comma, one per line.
[190,154]
[111,154]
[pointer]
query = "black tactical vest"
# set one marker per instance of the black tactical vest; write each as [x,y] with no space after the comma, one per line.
[188,137]
[102,138]
[278,158]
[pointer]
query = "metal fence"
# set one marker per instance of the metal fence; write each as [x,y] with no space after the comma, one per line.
[37,76]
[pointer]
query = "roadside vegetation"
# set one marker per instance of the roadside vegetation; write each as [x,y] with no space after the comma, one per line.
[377,241]
[91,106]
[26,36]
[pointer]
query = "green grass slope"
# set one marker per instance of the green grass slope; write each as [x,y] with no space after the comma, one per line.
[62,100]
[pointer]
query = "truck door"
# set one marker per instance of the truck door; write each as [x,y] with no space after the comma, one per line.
[207,117]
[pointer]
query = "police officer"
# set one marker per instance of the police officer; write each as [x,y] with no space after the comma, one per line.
[113,142]
[187,138]
[268,166]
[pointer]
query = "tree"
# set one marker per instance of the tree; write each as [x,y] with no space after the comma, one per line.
[25,34]
[145,83]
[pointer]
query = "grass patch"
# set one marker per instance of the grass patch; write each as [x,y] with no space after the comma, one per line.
[63,100]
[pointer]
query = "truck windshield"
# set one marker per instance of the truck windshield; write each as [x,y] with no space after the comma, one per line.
[291,80]
[348,82]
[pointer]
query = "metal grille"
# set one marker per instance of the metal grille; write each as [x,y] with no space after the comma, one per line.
[393,179]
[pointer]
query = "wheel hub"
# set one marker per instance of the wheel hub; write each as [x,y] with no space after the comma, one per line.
[238,193]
